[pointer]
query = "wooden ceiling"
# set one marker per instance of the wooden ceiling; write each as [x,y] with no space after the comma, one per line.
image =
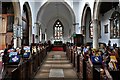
[7,7]
[106,6]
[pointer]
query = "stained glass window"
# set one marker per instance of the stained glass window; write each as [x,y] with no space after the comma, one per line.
[58,30]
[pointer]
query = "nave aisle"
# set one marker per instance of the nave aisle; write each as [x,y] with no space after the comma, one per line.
[56,67]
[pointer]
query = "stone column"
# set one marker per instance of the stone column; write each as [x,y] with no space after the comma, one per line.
[95,33]
[18,42]
[17,32]
[15,43]
[37,25]
[19,36]
[40,35]
[45,34]
[15,36]
[111,27]
[83,31]
[30,34]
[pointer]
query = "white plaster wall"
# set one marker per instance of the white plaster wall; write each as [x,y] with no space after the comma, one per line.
[76,11]
[48,16]
[50,28]
[104,20]
[35,6]
[106,37]
[70,2]
[78,7]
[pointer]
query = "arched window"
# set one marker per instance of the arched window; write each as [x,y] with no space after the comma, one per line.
[58,30]
[115,25]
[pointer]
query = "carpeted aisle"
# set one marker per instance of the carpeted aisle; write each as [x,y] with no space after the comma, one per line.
[57,49]
[56,67]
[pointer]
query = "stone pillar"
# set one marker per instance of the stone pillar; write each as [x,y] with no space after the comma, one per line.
[18,42]
[30,34]
[35,33]
[45,34]
[19,36]
[40,35]
[83,31]
[15,43]
[111,27]
[15,35]
[37,25]
[17,31]
[95,33]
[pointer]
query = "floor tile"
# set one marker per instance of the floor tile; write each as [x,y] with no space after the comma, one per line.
[56,73]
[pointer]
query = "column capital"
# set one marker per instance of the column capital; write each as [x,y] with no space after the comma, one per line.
[110,19]
[94,20]
[82,27]
[37,23]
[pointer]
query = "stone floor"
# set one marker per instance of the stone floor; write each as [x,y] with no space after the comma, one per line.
[56,67]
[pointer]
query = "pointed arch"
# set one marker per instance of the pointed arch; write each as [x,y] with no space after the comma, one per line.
[55,11]
[84,14]
[27,24]
[86,27]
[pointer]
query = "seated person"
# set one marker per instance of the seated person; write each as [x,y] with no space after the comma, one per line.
[5,57]
[106,58]
[26,55]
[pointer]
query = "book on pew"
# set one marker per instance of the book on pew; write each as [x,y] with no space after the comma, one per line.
[14,60]
[26,48]
[26,55]
[13,54]
[96,59]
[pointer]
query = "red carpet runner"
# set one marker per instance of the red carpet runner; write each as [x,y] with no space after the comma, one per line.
[57,49]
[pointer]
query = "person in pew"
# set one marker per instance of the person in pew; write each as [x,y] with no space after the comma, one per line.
[86,52]
[96,57]
[18,50]
[115,53]
[5,57]
[106,58]
[89,52]
[109,43]
[22,51]
[45,43]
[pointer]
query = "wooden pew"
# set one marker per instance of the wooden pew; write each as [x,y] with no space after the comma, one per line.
[80,66]
[89,70]
[107,74]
